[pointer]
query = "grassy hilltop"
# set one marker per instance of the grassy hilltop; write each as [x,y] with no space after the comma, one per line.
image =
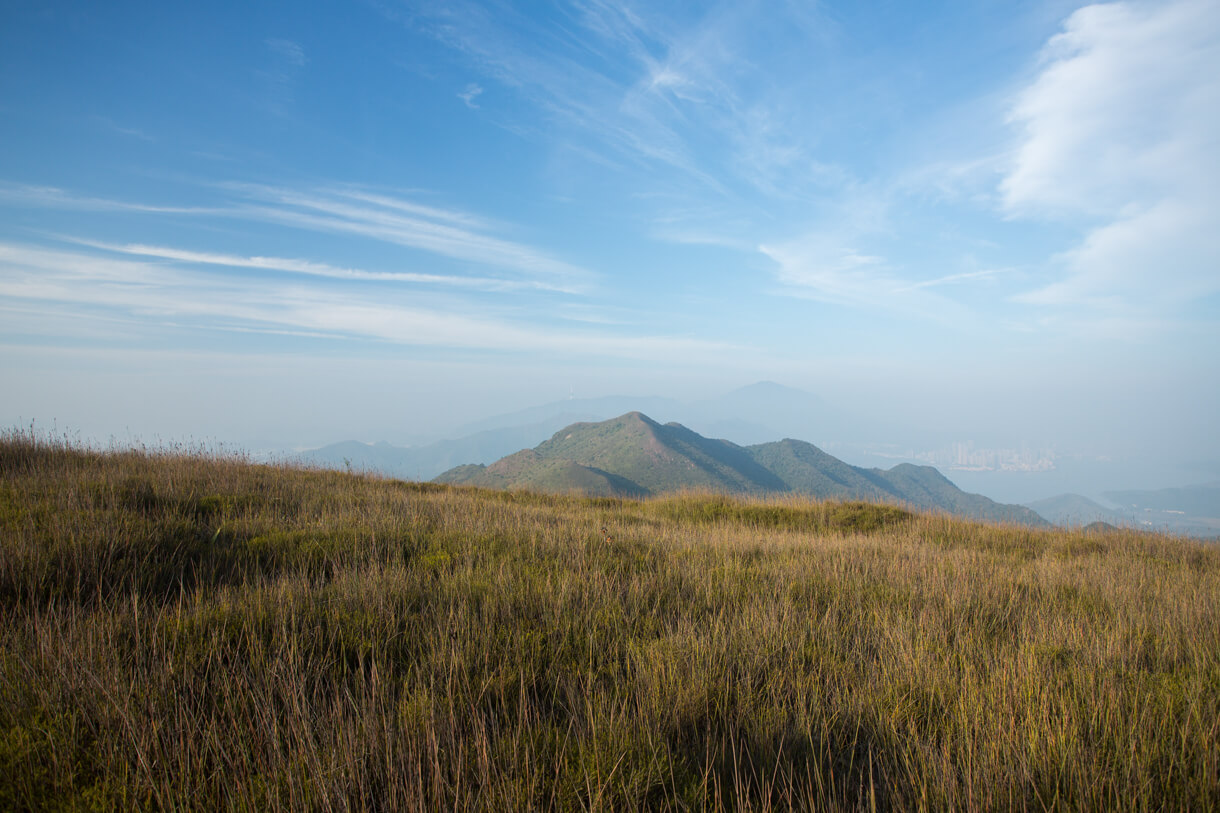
[192,631]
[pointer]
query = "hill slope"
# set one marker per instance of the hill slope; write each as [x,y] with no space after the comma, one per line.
[634,455]
[199,633]
[645,456]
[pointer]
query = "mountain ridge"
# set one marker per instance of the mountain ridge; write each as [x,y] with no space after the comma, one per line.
[751,414]
[633,455]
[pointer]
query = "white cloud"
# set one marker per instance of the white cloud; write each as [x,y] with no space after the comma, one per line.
[952,279]
[472,92]
[1121,133]
[290,52]
[828,270]
[644,84]
[464,219]
[308,267]
[1157,257]
[382,218]
[829,267]
[279,77]
[54,198]
[447,233]
[133,132]
[155,296]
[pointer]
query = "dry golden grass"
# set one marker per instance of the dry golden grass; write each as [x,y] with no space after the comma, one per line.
[184,630]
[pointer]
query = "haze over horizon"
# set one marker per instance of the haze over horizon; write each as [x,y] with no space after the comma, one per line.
[970,222]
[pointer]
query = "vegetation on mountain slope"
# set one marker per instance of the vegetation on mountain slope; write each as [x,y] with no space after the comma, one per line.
[191,631]
[650,458]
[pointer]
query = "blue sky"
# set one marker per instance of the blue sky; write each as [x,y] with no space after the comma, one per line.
[271,223]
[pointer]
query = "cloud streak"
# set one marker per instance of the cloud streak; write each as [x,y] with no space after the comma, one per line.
[154,296]
[655,92]
[472,92]
[450,234]
[310,268]
[400,223]
[51,197]
[951,279]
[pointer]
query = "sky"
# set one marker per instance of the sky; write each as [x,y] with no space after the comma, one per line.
[281,224]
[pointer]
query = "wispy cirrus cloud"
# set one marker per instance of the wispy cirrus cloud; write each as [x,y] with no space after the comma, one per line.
[469,94]
[378,217]
[356,212]
[154,295]
[398,204]
[290,52]
[52,197]
[286,61]
[953,279]
[131,132]
[311,268]
[829,268]
[643,86]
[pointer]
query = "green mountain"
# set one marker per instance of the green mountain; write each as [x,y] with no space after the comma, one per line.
[528,469]
[643,457]
[806,469]
[633,455]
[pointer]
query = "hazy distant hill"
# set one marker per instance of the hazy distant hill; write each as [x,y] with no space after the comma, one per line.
[1193,510]
[1073,510]
[1203,500]
[425,462]
[633,454]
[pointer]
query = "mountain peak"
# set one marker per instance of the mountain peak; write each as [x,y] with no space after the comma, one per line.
[633,455]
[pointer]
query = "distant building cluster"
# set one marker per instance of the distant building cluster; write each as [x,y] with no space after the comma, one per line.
[965,457]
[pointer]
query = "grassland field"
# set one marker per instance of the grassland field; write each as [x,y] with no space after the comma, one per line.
[187,630]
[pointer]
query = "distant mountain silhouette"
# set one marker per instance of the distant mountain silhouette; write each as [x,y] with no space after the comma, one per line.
[1193,510]
[1200,500]
[633,455]
[1073,510]
[425,462]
